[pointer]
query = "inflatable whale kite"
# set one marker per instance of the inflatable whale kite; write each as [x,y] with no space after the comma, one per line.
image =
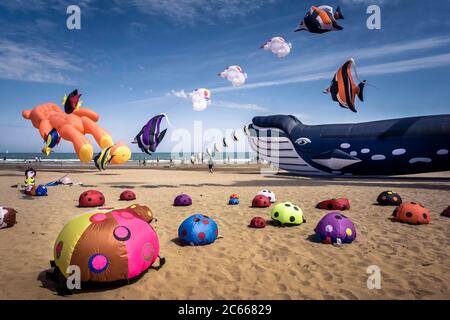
[387,147]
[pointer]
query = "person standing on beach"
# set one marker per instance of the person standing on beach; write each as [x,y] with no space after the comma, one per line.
[210,165]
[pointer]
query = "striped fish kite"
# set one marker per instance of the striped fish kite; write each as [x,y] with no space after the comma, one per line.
[343,89]
[150,135]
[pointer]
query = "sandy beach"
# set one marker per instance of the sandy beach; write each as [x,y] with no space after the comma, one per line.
[270,263]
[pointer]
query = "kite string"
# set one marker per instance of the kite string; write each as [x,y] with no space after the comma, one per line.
[357,76]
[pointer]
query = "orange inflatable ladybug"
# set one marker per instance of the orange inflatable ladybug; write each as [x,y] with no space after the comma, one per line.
[412,213]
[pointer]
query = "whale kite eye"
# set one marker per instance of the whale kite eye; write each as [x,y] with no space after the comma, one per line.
[302,141]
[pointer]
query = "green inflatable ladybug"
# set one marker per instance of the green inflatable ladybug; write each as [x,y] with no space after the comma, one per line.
[287,213]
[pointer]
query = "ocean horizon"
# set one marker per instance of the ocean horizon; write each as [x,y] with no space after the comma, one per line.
[70,156]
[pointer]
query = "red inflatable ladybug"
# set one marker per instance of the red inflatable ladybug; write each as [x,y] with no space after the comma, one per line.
[340,204]
[127,195]
[446,212]
[260,201]
[91,198]
[412,213]
[257,222]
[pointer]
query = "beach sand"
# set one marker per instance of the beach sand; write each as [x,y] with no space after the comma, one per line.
[270,263]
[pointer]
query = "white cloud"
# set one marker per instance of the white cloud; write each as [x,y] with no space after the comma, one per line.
[188,12]
[179,94]
[235,105]
[34,63]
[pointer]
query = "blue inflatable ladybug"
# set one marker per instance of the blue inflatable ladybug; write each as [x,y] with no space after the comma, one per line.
[233,201]
[198,230]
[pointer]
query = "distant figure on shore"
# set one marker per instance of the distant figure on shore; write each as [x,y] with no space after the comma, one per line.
[143,162]
[4,158]
[157,161]
[210,165]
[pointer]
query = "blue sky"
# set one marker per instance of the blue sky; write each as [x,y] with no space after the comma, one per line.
[130,56]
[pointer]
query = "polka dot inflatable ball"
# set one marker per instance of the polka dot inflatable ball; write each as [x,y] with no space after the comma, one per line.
[91,198]
[334,204]
[198,230]
[335,227]
[182,200]
[412,213]
[260,201]
[269,194]
[258,223]
[287,213]
[108,245]
[127,195]
[389,198]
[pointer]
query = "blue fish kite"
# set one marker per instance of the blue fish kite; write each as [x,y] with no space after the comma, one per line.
[51,140]
[150,135]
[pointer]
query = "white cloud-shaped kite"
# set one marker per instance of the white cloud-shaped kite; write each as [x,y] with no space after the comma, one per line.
[278,46]
[235,75]
[201,99]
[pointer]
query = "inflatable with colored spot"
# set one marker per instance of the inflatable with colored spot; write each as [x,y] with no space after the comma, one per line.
[335,227]
[340,204]
[389,198]
[287,213]
[107,245]
[198,230]
[127,195]
[91,198]
[260,201]
[412,213]
[258,223]
[269,194]
[233,201]
[377,148]
[182,200]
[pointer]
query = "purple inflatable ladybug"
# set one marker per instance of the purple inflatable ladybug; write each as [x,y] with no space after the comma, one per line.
[182,200]
[335,227]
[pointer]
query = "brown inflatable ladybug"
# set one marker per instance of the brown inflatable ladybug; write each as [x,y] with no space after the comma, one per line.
[260,201]
[340,204]
[91,198]
[389,198]
[127,195]
[446,212]
[257,222]
[412,213]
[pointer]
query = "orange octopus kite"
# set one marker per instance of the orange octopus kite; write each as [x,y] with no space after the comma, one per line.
[73,127]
